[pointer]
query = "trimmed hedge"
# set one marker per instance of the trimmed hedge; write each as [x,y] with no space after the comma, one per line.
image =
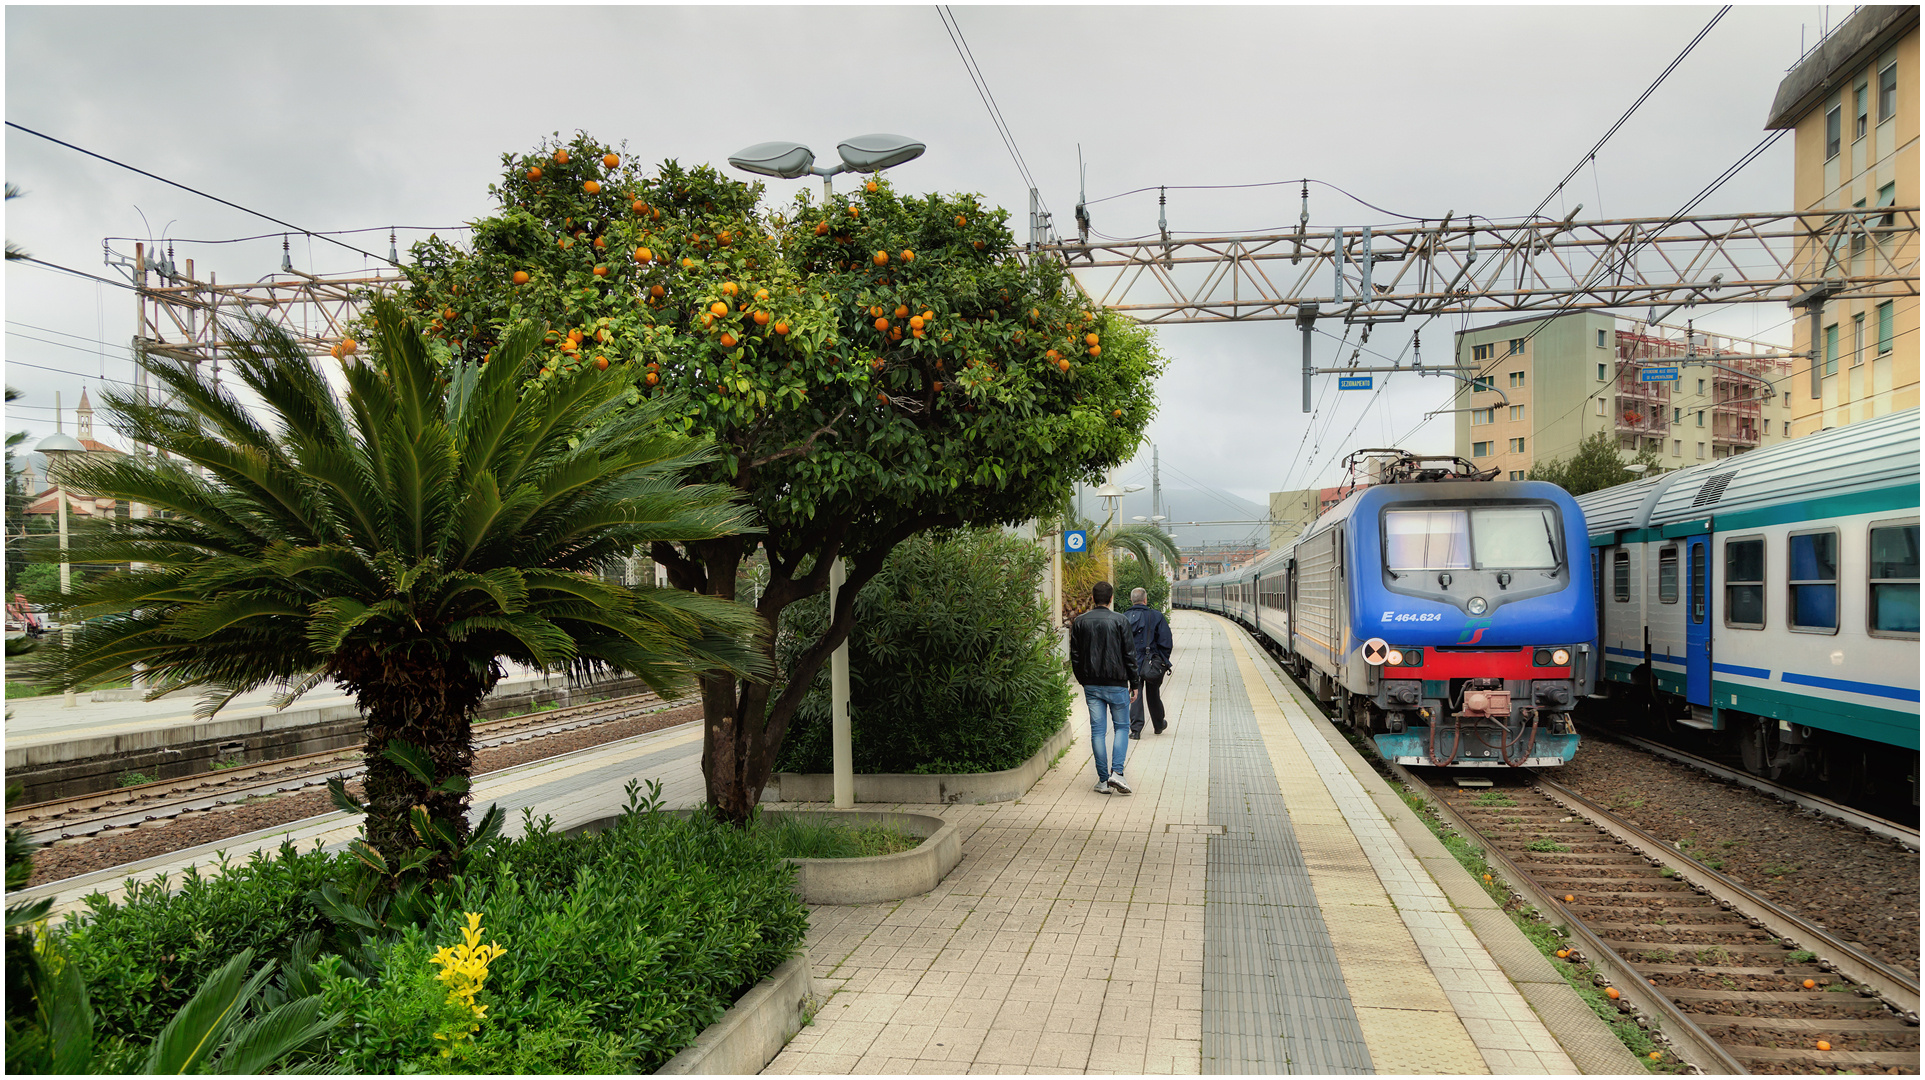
[953,667]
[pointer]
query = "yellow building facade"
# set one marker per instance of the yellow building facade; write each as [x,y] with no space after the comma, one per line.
[1852,108]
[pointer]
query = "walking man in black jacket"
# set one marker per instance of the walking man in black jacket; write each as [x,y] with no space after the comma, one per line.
[1151,632]
[1102,653]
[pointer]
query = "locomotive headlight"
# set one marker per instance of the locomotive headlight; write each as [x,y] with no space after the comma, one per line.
[1396,658]
[1560,657]
[1477,605]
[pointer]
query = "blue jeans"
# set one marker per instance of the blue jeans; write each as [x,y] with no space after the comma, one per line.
[1115,700]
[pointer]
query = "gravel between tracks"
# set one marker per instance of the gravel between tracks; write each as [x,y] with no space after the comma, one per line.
[1861,888]
[160,837]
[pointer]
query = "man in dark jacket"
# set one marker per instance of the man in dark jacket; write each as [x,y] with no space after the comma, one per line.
[1151,633]
[1103,657]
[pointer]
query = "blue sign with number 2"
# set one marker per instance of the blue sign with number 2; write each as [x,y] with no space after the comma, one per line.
[1075,542]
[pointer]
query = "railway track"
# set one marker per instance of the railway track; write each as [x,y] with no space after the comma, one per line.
[1735,982]
[93,815]
[1817,804]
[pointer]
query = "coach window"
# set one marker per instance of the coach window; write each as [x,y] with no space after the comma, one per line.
[1894,580]
[1700,583]
[1621,577]
[1814,582]
[1668,575]
[1744,583]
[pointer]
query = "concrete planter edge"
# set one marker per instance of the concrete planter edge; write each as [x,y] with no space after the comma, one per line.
[755,1028]
[931,789]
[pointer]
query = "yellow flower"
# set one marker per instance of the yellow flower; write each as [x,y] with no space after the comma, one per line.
[464,970]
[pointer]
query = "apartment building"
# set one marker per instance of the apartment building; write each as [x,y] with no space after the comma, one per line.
[1291,512]
[1545,385]
[1852,107]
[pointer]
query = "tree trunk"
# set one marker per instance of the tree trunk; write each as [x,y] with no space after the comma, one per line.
[409,695]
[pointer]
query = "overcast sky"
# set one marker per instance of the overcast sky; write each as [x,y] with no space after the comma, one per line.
[366,117]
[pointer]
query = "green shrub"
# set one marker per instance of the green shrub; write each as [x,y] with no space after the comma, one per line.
[952,665]
[1132,574]
[390,1023]
[144,955]
[804,837]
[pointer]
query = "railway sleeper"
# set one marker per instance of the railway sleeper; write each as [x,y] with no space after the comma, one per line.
[1829,1059]
[1689,998]
[1870,1026]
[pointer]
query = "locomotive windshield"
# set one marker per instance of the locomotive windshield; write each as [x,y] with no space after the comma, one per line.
[1483,538]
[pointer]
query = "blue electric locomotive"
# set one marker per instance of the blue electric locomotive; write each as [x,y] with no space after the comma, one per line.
[1447,615]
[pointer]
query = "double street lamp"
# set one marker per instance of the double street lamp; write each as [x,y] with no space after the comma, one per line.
[862,154]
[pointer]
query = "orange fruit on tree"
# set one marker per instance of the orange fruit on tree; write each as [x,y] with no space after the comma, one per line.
[600,243]
[521,277]
[656,290]
[915,322]
[609,161]
[822,228]
[1052,356]
[728,340]
[928,315]
[534,173]
[882,258]
[601,271]
[1089,339]
[895,334]
[902,311]
[1064,364]
[781,329]
[448,314]
[870,187]
[761,294]
[1118,414]
[688,264]
[603,335]
[961,221]
[652,379]
[979,245]
[349,345]
[761,318]
[718,309]
[601,363]
[639,207]
[876,311]
[853,212]
[335,351]
[728,288]
[908,256]
[884,398]
[561,156]
[882,324]
[593,187]
[643,255]
[708,321]
[1096,350]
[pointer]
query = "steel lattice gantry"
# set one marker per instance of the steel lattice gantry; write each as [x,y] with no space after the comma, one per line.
[191,320]
[1474,265]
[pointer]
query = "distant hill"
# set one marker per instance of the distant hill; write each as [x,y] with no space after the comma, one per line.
[1183,505]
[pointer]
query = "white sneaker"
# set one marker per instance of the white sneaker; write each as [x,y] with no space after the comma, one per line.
[1117,785]
[1102,787]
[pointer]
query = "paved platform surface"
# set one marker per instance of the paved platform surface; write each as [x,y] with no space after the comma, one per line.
[1258,905]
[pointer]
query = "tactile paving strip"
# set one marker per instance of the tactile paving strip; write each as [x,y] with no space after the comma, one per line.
[1274,999]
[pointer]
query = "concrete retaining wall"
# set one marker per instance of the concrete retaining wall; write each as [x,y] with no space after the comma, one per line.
[937,789]
[751,1033]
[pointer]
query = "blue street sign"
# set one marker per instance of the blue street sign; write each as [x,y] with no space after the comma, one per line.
[1354,382]
[1658,374]
[1075,542]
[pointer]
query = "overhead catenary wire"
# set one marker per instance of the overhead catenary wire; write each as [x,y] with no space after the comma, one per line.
[976,78]
[192,190]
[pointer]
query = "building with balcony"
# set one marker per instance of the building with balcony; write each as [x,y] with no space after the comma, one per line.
[1291,512]
[1852,107]
[1683,395]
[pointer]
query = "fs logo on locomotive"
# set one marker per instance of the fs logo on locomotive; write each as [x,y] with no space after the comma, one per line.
[1473,631]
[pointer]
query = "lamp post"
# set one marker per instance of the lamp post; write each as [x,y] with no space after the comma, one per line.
[787,161]
[56,446]
[862,154]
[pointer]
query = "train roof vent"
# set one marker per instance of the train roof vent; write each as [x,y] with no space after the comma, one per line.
[1713,488]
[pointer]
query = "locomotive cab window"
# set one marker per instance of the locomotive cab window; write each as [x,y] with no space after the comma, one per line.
[1744,583]
[1894,580]
[1668,575]
[1483,538]
[1814,582]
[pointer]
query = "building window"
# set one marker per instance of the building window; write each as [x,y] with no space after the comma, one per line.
[1517,379]
[1517,412]
[1831,133]
[1814,581]
[1484,382]
[1677,415]
[1894,580]
[1600,405]
[1677,447]
[1621,576]
[1482,416]
[1668,575]
[1831,349]
[1884,328]
[1888,92]
[1859,103]
[1517,346]
[1517,446]
[1700,451]
[1482,352]
[1480,449]
[1744,583]
[1888,196]
[1518,474]
[1700,417]
[1859,224]
[1787,429]
[1857,339]
[1600,340]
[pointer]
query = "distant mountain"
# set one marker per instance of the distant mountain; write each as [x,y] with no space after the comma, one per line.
[1181,505]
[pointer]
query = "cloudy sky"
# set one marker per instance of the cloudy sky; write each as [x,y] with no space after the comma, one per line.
[370,117]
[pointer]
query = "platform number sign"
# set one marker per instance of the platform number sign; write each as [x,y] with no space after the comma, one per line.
[1075,542]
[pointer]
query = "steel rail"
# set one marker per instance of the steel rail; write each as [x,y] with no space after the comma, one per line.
[1893,986]
[1871,823]
[1688,1040]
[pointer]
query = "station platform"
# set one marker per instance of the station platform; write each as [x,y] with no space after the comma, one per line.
[1263,902]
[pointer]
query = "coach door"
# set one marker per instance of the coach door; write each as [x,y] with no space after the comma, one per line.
[1697,620]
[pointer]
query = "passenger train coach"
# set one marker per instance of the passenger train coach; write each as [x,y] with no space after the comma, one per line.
[1770,600]
[1449,616]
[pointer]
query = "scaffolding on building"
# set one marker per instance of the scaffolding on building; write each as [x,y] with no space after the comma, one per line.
[1740,372]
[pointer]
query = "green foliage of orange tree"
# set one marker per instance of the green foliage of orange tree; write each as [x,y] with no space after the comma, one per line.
[867,369]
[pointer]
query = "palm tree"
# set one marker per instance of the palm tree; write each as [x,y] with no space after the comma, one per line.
[403,539]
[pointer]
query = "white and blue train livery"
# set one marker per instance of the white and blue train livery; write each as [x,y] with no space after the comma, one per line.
[1770,600]
[1448,616]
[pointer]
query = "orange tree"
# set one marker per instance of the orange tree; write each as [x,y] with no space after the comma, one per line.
[868,369]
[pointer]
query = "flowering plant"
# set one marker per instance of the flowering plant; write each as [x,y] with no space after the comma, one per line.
[464,970]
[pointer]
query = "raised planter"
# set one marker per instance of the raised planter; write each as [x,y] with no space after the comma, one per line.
[755,1028]
[931,788]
